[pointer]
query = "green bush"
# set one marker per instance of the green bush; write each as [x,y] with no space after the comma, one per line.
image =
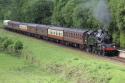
[10,46]
[2,39]
[6,43]
[18,46]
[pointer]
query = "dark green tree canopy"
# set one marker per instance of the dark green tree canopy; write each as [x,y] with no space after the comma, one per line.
[69,13]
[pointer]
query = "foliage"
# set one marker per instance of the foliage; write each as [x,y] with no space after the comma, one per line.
[2,39]
[74,13]
[37,11]
[6,43]
[67,13]
[118,13]
[18,46]
[10,46]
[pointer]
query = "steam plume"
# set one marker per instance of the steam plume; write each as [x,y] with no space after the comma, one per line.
[102,13]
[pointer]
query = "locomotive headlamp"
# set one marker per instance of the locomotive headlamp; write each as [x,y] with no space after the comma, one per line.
[114,46]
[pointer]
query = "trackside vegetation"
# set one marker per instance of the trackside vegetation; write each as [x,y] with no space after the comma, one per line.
[10,46]
[55,64]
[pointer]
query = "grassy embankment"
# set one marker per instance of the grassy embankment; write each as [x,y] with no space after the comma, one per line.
[55,64]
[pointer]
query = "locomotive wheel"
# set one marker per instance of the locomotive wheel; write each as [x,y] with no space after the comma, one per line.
[87,49]
[81,46]
[103,53]
[99,52]
[67,43]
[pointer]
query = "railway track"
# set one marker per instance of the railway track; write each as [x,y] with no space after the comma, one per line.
[118,59]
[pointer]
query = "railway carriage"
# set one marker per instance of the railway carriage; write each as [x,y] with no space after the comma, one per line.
[42,31]
[76,37]
[31,28]
[56,33]
[23,27]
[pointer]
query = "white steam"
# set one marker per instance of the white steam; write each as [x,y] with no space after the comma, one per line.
[102,13]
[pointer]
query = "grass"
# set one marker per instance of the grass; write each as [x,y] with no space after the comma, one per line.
[1,23]
[57,64]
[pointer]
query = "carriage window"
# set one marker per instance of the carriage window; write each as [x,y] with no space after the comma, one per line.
[55,33]
[80,36]
[51,33]
[61,34]
[66,34]
[72,34]
[76,35]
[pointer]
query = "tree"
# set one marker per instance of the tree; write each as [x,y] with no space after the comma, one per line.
[118,13]
[40,12]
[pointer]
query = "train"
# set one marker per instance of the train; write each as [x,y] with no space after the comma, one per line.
[94,41]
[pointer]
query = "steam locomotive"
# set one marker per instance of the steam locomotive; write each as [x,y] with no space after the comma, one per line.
[94,41]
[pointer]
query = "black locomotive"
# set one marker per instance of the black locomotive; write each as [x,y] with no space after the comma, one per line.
[101,42]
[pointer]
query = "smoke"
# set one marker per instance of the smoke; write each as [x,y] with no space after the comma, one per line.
[102,13]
